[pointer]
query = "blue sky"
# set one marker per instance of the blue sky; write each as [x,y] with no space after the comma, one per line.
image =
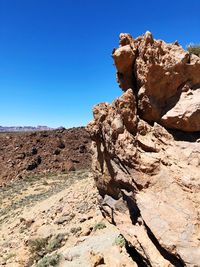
[55,55]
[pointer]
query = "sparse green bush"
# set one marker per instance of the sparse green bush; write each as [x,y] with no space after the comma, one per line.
[75,230]
[49,260]
[55,242]
[194,49]
[120,241]
[39,247]
[99,226]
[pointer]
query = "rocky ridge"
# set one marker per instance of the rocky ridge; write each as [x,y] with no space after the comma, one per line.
[5,129]
[146,159]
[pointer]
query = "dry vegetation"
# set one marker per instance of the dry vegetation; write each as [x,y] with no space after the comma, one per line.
[194,49]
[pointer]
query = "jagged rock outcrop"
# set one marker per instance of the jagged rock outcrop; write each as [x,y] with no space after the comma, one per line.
[162,76]
[148,177]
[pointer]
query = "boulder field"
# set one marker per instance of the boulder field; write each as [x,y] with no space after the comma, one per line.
[146,152]
[29,154]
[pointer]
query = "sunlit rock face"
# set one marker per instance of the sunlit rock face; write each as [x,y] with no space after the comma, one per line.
[146,152]
[165,79]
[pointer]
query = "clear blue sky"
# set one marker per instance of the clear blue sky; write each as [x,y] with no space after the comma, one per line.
[55,55]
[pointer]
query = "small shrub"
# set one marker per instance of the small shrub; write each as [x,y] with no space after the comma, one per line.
[45,182]
[194,49]
[55,242]
[99,226]
[37,245]
[37,250]
[75,230]
[120,241]
[49,260]
[9,256]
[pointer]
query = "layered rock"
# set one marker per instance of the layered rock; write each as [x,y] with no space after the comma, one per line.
[149,178]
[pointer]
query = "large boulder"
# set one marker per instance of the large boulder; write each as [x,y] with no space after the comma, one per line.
[148,177]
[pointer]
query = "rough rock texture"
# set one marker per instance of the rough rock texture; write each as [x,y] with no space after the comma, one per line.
[164,77]
[148,177]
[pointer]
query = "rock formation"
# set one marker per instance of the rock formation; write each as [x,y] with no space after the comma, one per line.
[146,158]
[165,79]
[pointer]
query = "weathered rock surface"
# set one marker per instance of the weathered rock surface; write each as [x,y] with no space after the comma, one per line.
[159,73]
[149,178]
[186,113]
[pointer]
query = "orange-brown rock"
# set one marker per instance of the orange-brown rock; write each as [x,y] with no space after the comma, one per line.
[160,73]
[149,177]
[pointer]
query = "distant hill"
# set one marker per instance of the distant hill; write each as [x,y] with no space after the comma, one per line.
[25,154]
[24,128]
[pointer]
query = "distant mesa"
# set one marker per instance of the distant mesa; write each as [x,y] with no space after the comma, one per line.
[25,128]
